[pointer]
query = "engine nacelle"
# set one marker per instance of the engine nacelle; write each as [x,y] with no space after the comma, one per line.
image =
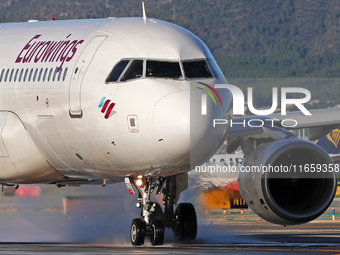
[292,197]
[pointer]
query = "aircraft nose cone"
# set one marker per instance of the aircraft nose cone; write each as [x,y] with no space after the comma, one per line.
[182,131]
[171,122]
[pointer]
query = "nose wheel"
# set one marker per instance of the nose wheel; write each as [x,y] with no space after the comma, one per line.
[157,232]
[137,232]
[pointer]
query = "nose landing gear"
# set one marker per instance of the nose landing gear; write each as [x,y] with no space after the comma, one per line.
[152,222]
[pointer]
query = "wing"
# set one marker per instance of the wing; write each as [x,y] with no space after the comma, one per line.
[319,124]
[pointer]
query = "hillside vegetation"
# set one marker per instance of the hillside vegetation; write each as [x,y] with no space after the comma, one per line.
[249,38]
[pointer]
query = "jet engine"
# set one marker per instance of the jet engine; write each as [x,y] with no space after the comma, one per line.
[288,181]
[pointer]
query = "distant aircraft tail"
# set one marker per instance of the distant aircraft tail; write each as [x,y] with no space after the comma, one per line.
[330,142]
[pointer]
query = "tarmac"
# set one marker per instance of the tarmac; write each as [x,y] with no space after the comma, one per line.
[46,229]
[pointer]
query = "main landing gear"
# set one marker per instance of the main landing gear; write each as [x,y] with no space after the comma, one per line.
[153,221]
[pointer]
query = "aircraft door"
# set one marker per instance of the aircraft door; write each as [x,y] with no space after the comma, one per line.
[78,74]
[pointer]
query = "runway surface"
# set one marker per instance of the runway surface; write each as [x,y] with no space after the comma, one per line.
[237,236]
[42,226]
[218,234]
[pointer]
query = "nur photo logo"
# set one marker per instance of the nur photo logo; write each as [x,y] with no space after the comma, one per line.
[204,97]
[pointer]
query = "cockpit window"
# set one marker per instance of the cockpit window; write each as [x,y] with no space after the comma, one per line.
[134,71]
[129,69]
[215,69]
[196,69]
[163,69]
[117,71]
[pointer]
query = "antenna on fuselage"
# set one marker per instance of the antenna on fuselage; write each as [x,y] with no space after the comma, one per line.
[144,15]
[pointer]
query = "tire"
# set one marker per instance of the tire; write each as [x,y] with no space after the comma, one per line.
[186,228]
[137,232]
[158,213]
[157,232]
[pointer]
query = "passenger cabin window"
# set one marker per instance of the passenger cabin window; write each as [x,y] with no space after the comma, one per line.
[59,74]
[65,72]
[55,73]
[20,75]
[196,69]
[44,77]
[40,73]
[30,75]
[163,69]
[134,71]
[35,74]
[50,74]
[117,71]
[2,74]
[16,75]
[11,75]
[6,75]
[25,75]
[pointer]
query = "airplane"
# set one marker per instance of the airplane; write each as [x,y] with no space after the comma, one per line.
[330,143]
[120,99]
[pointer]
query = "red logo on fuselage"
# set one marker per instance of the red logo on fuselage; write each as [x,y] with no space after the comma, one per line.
[48,51]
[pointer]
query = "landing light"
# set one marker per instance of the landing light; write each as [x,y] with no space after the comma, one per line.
[139,182]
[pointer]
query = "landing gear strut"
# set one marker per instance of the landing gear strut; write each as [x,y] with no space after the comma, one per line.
[152,222]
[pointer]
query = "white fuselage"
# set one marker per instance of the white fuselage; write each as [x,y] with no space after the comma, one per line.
[54,89]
